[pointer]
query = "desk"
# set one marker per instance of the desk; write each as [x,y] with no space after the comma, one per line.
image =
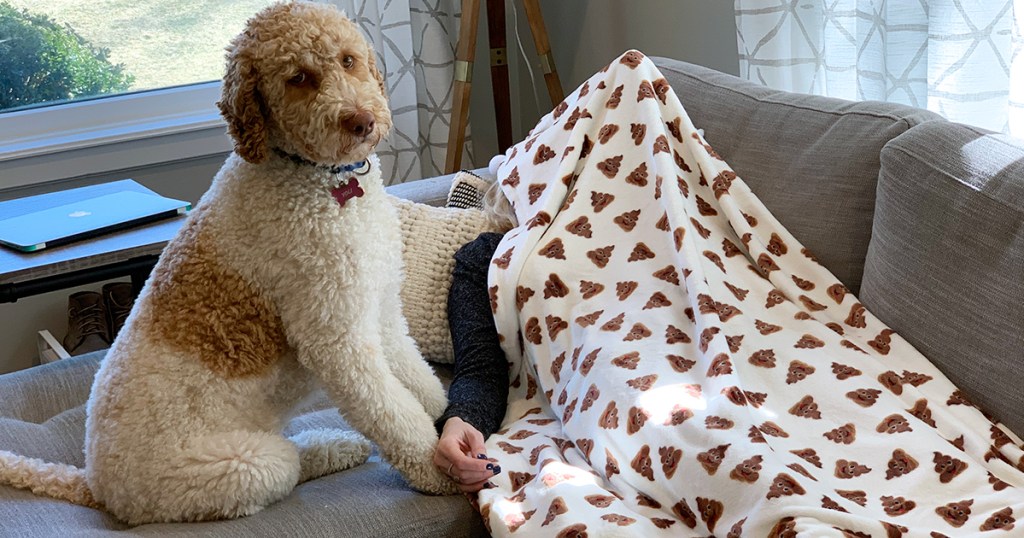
[131,252]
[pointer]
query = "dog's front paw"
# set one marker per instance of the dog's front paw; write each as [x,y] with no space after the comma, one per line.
[423,476]
[432,481]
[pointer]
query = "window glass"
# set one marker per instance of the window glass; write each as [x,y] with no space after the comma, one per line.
[56,51]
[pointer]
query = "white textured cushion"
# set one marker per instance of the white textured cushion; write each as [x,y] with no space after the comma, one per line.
[430,237]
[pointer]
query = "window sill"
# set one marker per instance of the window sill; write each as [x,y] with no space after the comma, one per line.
[105,135]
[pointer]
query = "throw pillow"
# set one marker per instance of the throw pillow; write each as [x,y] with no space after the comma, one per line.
[430,237]
[467,191]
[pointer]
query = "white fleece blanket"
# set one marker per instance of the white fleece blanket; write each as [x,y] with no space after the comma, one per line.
[682,366]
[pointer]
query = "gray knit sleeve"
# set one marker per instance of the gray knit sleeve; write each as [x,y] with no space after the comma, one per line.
[479,389]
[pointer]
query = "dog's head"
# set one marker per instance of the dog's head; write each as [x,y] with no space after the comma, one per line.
[302,78]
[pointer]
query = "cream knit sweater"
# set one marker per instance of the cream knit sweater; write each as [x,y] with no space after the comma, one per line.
[430,237]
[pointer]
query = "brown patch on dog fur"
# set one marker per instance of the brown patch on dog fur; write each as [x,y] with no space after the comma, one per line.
[209,310]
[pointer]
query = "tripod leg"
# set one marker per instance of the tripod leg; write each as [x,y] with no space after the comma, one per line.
[547,61]
[499,72]
[464,54]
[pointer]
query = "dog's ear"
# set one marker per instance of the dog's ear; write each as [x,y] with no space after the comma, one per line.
[241,104]
[377,74]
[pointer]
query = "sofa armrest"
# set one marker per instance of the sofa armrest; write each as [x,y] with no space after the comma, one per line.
[431,191]
[37,394]
[947,254]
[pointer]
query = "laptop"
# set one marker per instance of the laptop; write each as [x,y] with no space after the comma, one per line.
[86,218]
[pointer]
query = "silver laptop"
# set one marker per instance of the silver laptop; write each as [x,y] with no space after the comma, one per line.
[86,218]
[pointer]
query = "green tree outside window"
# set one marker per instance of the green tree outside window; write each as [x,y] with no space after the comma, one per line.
[42,61]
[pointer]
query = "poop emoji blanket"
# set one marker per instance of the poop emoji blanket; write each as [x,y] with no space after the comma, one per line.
[682,366]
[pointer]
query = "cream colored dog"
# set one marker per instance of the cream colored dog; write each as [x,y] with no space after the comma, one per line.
[285,277]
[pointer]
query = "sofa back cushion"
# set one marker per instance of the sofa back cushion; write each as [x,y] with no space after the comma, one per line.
[812,160]
[945,268]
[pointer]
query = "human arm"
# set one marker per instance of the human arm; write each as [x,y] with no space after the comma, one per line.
[478,392]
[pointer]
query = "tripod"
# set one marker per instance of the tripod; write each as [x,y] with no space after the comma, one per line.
[465,52]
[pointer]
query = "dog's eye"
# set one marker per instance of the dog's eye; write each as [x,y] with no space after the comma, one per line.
[348,61]
[299,79]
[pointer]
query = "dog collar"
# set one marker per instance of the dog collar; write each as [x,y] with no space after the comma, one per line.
[333,169]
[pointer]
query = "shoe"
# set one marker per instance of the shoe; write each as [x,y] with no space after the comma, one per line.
[118,300]
[87,324]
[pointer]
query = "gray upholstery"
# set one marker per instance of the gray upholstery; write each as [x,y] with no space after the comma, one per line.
[946,264]
[41,410]
[812,160]
[46,419]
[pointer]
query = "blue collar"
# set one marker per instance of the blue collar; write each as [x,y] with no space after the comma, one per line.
[333,169]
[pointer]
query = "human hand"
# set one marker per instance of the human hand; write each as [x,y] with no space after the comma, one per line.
[460,454]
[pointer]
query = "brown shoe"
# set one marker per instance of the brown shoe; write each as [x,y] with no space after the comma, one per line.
[118,300]
[87,323]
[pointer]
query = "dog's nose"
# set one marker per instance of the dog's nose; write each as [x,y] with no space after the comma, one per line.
[359,124]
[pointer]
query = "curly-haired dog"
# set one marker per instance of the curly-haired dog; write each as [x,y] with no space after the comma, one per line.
[284,277]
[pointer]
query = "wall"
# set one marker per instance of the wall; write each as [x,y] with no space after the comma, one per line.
[584,35]
[587,34]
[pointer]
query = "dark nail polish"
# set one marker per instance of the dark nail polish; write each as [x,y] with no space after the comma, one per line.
[490,466]
[481,456]
[497,469]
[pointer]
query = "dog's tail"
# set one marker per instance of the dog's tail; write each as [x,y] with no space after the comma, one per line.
[56,480]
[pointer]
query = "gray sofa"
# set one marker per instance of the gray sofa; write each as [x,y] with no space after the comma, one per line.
[921,217]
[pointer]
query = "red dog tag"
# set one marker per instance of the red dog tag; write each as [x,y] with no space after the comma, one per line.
[345,192]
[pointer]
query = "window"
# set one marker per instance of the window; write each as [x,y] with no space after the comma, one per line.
[79,73]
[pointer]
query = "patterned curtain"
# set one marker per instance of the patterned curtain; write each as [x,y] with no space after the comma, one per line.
[959,58]
[415,43]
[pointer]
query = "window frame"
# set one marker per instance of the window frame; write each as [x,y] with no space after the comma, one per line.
[110,133]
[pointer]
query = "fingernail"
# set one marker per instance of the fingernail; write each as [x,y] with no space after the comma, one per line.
[490,466]
[481,456]
[497,469]
[488,485]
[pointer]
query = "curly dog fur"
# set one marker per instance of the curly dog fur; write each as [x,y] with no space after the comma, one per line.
[272,288]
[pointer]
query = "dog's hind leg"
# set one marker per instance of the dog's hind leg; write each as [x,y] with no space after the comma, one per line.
[226,475]
[326,451]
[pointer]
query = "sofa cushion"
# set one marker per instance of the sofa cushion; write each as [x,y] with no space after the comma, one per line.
[945,267]
[467,191]
[812,160]
[47,421]
[369,501]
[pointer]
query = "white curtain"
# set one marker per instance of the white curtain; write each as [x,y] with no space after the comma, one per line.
[415,43]
[959,58]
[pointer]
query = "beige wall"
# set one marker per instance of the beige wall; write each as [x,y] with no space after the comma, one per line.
[584,34]
[587,34]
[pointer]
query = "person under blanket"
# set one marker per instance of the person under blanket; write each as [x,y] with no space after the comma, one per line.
[648,352]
